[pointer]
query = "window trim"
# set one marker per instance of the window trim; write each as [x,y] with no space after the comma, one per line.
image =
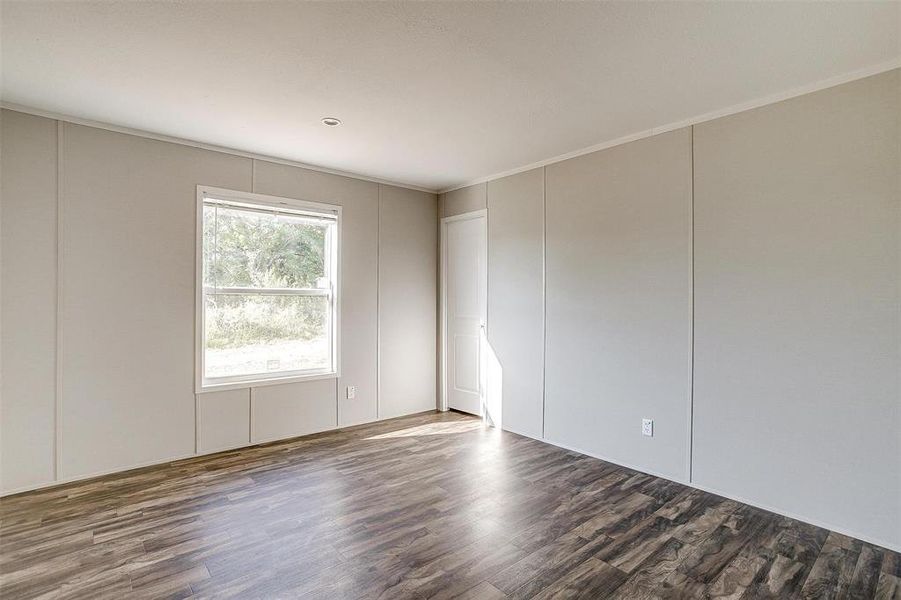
[258,380]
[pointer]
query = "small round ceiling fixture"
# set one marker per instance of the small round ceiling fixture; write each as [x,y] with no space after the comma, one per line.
[331,121]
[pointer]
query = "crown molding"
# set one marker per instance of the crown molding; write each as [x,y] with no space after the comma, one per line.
[204,146]
[702,118]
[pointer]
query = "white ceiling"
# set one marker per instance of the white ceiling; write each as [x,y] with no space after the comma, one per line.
[431,94]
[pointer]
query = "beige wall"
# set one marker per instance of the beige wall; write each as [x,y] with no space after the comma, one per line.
[223,420]
[772,237]
[618,302]
[127,243]
[283,411]
[516,296]
[407,291]
[464,200]
[28,300]
[796,392]
[126,303]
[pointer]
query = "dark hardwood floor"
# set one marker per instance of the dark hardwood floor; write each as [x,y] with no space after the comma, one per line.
[428,506]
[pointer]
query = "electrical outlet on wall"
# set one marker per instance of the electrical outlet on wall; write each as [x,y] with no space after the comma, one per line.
[647,427]
[351,392]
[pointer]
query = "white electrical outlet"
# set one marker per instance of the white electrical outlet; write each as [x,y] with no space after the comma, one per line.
[351,392]
[647,427]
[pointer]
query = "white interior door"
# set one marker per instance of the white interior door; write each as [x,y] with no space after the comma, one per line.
[465,306]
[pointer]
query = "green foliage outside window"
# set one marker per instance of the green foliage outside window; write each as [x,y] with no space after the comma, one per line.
[262,250]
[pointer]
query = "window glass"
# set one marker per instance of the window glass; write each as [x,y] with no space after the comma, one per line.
[268,306]
[248,334]
[262,249]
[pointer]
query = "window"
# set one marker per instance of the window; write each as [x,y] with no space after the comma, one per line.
[268,291]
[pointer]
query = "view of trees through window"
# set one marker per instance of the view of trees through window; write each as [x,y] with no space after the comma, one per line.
[267,291]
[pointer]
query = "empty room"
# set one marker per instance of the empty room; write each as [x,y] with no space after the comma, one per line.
[477,300]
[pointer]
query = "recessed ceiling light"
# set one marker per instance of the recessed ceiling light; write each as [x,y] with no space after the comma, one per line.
[331,121]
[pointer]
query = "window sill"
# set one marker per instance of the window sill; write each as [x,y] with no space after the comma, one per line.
[255,383]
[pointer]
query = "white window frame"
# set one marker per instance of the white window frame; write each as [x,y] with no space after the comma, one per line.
[201,384]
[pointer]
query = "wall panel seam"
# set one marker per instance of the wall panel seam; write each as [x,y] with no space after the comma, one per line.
[378,307]
[691,300]
[60,243]
[543,299]
[250,416]
[197,416]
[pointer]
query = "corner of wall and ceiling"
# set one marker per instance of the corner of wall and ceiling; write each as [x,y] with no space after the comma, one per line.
[691,121]
[56,116]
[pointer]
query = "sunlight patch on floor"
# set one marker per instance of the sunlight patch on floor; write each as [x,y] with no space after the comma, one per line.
[432,429]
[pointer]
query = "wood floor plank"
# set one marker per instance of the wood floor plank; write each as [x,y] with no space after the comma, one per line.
[433,505]
[781,578]
[649,579]
[891,563]
[483,591]
[546,566]
[866,573]
[888,587]
[592,579]
[825,577]
[736,577]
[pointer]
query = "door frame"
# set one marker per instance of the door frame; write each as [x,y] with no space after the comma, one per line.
[442,351]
